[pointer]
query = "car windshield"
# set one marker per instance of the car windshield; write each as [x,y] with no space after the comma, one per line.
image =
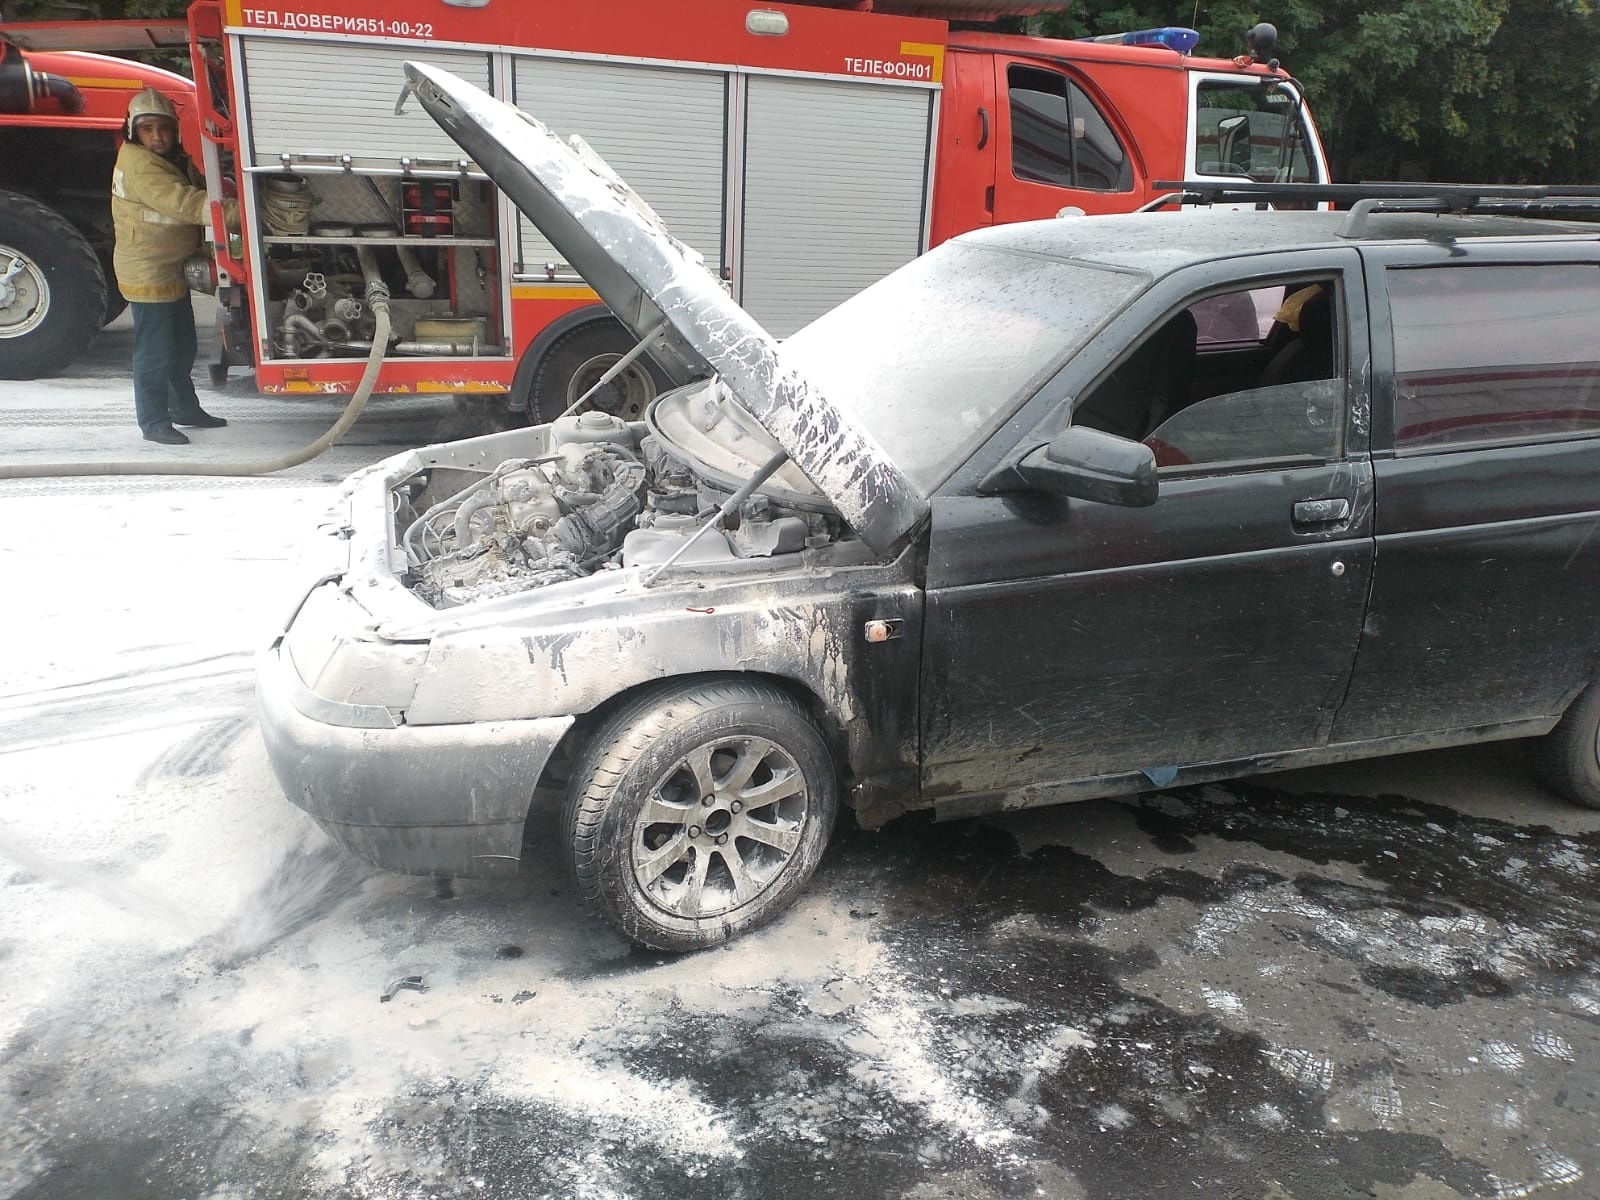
[930,359]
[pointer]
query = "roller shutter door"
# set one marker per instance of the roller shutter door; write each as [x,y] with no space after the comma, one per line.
[662,130]
[311,97]
[834,192]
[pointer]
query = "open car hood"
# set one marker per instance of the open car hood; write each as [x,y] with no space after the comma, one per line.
[663,293]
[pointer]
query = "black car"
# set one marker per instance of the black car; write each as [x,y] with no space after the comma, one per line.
[1059,510]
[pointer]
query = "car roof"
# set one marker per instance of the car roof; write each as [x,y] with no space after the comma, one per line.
[1157,243]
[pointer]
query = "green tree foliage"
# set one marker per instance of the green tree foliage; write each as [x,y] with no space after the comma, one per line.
[1498,91]
[66,10]
[111,10]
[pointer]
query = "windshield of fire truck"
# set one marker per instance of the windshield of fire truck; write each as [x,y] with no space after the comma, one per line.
[933,357]
[1251,131]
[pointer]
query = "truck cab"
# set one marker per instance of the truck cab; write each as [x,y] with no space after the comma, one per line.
[1030,126]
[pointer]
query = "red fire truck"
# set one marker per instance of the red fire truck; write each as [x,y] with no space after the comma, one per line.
[803,149]
[59,117]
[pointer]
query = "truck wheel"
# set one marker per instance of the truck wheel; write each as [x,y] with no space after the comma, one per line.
[577,359]
[698,813]
[1568,757]
[52,294]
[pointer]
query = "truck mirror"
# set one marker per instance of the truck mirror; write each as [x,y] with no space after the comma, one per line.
[1233,142]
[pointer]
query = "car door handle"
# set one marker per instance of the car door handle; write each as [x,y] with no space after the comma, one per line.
[1321,512]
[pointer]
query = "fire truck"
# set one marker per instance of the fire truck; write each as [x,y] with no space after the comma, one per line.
[802,149]
[59,117]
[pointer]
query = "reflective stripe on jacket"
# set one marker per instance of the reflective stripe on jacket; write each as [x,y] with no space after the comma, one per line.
[157,207]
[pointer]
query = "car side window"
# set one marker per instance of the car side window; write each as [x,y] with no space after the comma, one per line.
[1234,379]
[1494,353]
[1240,317]
[1059,136]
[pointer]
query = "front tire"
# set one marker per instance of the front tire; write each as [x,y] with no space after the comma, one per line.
[698,813]
[52,292]
[1568,757]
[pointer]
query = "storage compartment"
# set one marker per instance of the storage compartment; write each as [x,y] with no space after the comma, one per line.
[427,207]
[328,236]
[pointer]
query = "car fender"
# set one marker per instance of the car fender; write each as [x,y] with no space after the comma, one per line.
[808,626]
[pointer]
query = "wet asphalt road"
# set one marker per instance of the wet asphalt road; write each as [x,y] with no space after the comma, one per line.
[1375,980]
[1234,991]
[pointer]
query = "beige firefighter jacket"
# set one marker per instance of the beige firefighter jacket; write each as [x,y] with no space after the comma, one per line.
[157,207]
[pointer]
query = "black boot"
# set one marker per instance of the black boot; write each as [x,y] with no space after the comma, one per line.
[200,419]
[166,435]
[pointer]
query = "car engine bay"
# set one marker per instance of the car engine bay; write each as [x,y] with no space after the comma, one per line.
[606,494]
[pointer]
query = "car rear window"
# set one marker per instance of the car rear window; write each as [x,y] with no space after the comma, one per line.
[1495,353]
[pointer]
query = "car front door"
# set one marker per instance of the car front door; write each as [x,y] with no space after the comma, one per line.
[1486,455]
[1074,642]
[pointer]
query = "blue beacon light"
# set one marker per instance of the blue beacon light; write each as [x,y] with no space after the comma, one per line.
[1173,37]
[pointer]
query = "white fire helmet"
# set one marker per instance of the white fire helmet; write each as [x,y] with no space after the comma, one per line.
[149,103]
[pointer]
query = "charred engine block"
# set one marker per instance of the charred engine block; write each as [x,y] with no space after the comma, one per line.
[528,523]
[599,498]
[678,498]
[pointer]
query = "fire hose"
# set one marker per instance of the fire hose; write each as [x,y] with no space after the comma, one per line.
[286,204]
[377,295]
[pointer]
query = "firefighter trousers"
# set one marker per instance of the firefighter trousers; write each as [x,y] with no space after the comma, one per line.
[164,349]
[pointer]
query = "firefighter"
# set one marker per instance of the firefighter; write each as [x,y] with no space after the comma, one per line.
[158,205]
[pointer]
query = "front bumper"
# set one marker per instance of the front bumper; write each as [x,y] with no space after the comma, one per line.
[448,800]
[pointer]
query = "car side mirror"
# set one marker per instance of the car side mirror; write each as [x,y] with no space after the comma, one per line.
[1092,465]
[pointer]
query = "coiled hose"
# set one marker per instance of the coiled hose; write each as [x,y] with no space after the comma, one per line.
[377,301]
[286,209]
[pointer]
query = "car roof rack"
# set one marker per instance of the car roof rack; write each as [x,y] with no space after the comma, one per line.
[1364,199]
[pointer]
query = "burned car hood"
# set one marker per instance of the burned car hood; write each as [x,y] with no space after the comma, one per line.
[660,290]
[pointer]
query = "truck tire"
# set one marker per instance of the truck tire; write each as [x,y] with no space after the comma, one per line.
[699,811]
[577,359]
[53,298]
